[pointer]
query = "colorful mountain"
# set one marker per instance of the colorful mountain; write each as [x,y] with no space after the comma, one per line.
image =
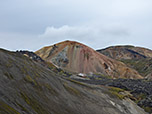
[79,58]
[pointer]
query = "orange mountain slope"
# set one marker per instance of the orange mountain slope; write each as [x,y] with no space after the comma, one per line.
[79,58]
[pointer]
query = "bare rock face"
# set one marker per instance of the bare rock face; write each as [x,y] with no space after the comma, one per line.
[79,58]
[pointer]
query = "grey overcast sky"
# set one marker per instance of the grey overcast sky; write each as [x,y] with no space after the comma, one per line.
[32,24]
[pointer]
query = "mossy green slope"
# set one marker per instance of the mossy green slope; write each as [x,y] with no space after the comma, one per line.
[143,66]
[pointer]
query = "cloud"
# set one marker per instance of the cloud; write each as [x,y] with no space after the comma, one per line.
[31,24]
[88,35]
[17,41]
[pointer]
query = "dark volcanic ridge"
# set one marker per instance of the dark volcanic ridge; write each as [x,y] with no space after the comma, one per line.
[27,87]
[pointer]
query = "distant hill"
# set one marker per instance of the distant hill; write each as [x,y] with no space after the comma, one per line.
[126,52]
[143,66]
[76,57]
[137,58]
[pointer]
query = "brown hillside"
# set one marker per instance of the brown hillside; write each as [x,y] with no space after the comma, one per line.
[137,58]
[126,52]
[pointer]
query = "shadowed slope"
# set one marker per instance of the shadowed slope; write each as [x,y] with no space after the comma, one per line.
[76,57]
[26,87]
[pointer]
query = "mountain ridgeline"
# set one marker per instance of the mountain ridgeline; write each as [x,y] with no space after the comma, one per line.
[126,52]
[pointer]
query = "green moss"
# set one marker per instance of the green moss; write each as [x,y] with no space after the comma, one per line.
[116,91]
[5,108]
[30,80]
[51,90]
[148,109]
[8,65]
[23,70]
[139,97]
[137,101]
[118,95]
[51,66]
[71,89]
[62,73]
[8,75]
[36,74]
[143,66]
[35,104]
[79,83]
[22,107]
[24,96]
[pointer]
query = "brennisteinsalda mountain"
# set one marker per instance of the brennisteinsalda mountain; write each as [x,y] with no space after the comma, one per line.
[78,58]
[71,78]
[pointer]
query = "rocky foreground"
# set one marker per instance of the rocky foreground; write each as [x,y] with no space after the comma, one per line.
[139,90]
[28,87]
